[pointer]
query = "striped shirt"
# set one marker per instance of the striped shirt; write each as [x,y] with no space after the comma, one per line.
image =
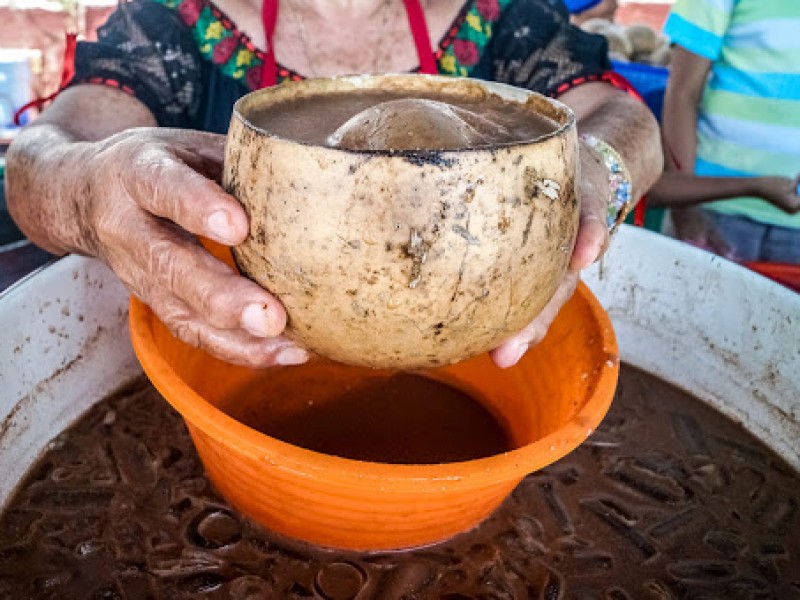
[749,116]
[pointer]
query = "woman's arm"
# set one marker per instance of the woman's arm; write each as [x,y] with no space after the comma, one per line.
[47,160]
[628,126]
[93,176]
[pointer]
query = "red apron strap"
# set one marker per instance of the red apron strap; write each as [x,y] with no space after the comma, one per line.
[422,40]
[269,17]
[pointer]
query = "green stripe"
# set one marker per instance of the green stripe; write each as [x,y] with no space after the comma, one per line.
[704,16]
[749,108]
[763,60]
[766,9]
[743,158]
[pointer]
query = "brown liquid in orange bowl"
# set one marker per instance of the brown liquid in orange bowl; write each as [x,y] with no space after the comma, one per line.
[363,414]
[548,404]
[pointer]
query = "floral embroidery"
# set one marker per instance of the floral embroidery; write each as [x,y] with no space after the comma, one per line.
[447,63]
[189,10]
[474,21]
[223,51]
[462,51]
[489,9]
[219,41]
[225,46]
[253,78]
[244,58]
[466,52]
[215,31]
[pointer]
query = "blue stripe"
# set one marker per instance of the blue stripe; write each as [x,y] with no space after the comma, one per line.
[693,38]
[778,34]
[751,134]
[779,86]
[710,169]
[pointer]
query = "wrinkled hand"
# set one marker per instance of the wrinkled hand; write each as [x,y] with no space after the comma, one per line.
[780,191]
[694,228]
[590,244]
[148,191]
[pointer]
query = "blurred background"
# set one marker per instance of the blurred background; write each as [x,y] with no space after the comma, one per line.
[32,40]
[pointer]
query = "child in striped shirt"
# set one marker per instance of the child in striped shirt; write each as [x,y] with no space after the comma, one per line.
[732,119]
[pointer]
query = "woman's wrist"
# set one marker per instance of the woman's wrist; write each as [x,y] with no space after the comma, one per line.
[47,191]
[619,186]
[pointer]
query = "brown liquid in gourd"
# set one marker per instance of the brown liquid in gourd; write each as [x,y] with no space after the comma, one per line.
[667,499]
[313,120]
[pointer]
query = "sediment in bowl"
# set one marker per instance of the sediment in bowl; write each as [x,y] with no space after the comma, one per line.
[404,259]
[551,401]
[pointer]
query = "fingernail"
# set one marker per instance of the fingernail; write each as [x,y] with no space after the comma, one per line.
[256,320]
[291,356]
[219,225]
[518,353]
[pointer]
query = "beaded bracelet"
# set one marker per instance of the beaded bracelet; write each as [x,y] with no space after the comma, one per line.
[619,181]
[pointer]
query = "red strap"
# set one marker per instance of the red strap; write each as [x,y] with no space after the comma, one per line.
[67,72]
[68,68]
[619,82]
[422,39]
[639,211]
[269,17]
[37,103]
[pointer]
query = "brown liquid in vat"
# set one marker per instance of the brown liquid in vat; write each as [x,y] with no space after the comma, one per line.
[313,120]
[667,499]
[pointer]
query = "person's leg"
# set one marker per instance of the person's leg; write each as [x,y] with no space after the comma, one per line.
[743,236]
[782,244]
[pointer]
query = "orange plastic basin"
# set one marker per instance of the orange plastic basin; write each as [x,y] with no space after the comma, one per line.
[550,402]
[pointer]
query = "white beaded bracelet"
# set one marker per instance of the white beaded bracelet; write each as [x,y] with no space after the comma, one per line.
[619,181]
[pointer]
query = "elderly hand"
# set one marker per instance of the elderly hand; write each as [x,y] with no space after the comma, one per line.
[145,189]
[590,244]
[156,185]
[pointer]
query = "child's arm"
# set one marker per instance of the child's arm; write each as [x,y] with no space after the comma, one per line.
[677,189]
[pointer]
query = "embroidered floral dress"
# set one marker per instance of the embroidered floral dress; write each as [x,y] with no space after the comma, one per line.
[188,63]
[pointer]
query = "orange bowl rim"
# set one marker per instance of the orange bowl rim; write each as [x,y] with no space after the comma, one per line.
[508,466]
